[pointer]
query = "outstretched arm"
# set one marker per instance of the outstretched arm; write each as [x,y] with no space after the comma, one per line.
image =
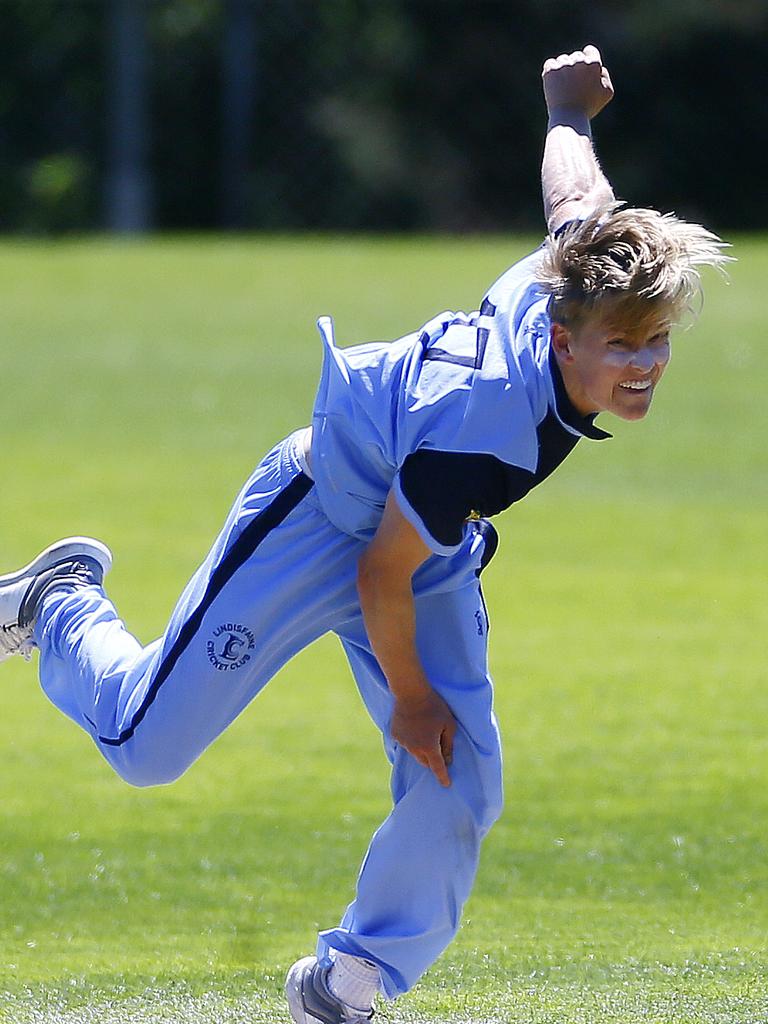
[576,88]
[421,720]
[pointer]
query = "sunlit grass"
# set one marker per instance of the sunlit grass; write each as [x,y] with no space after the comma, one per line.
[628,879]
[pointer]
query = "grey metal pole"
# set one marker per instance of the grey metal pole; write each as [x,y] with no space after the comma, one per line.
[128,181]
[237,109]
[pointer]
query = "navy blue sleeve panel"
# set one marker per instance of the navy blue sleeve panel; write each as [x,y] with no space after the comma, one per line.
[564,227]
[446,488]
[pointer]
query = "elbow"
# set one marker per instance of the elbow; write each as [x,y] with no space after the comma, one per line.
[598,199]
[378,576]
[579,206]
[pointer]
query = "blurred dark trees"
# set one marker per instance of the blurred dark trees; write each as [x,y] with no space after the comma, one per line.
[364,114]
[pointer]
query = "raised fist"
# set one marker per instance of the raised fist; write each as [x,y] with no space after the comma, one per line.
[577,80]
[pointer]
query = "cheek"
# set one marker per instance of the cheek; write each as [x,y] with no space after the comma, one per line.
[616,360]
[601,375]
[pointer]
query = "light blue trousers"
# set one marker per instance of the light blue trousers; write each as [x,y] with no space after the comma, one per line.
[279,576]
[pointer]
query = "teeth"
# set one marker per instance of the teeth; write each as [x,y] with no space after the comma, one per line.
[635,385]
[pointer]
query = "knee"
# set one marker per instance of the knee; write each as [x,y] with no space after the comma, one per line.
[479,783]
[484,802]
[493,805]
[465,816]
[138,769]
[144,779]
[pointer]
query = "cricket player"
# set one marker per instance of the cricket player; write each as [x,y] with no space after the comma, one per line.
[373,523]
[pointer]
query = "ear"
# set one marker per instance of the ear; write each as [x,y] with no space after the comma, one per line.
[561,340]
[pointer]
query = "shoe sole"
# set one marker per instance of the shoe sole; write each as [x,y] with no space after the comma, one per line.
[61,551]
[293,991]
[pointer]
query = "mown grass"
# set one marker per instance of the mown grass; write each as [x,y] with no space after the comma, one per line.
[627,880]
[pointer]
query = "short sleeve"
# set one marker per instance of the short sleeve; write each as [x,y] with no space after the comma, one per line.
[438,491]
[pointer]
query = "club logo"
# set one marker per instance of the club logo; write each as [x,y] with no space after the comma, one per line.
[230,646]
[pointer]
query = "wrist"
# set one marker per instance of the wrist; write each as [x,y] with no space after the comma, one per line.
[574,117]
[410,690]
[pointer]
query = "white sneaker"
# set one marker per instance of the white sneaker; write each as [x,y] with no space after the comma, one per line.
[310,1000]
[71,563]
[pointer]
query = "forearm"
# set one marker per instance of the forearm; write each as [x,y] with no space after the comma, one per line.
[573,185]
[421,721]
[389,613]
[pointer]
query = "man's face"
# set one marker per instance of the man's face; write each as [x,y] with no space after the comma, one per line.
[608,370]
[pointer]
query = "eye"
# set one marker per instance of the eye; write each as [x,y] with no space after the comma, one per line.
[618,343]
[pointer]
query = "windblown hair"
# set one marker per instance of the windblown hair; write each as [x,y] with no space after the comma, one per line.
[631,268]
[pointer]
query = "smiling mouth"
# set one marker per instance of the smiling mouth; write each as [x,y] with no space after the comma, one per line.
[635,385]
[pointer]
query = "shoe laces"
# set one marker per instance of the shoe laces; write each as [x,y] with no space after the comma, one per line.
[15,639]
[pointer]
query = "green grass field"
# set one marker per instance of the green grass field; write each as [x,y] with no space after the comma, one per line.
[628,878]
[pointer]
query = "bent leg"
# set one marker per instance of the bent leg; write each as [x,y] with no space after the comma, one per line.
[278,576]
[421,864]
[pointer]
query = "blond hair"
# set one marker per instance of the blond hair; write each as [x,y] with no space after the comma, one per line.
[628,267]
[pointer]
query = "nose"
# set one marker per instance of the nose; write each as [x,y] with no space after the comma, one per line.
[642,360]
[646,358]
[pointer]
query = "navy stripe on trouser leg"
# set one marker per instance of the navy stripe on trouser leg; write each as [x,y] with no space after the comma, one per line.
[279,574]
[238,554]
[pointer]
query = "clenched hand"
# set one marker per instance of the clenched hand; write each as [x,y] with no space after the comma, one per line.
[578,80]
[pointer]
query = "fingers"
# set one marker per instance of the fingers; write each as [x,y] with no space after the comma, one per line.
[589,55]
[446,743]
[440,759]
[436,764]
[426,729]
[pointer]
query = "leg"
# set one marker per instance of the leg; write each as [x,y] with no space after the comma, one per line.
[278,576]
[421,863]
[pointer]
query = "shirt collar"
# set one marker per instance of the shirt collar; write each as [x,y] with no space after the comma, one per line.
[570,416]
